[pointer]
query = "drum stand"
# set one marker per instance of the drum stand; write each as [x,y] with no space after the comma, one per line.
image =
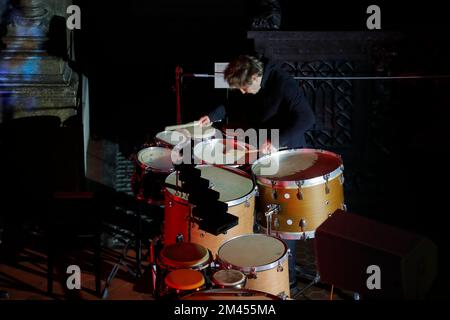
[313,277]
[137,273]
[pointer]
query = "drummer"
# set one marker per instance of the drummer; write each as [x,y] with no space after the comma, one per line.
[276,102]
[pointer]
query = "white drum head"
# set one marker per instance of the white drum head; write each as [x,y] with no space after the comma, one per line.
[296,164]
[233,188]
[222,151]
[172,137]
[200,133]
[156,158]
[252,250]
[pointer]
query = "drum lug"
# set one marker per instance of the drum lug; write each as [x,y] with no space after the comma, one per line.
[256,191]
[247,204]
[341,179]
[271,210]
[274,191]
[302,225]
[327,189]
[299,191]
[252,274]
[283,296]
[280,268]
[344,207]
[170,204]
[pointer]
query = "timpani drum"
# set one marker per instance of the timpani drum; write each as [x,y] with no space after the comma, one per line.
[152,166]
[306,184]
[262,258]
[230,294]
[236,188]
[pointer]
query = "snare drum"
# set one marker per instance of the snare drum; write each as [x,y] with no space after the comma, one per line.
[307,184]
[230,294]
[230,152]
[236,188]
[262,258]
[153,165]
[228,278]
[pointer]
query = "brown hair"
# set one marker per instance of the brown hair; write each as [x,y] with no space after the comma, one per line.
[240,70]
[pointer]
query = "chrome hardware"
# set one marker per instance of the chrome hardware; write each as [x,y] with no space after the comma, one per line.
[252,274]
[247,204]
[326,177]
[274,191]
[179,238]
[302,225]
[299,191]
[283,296]
[280,268]
[170,204]
[276,223]
[341,179]
[271,209]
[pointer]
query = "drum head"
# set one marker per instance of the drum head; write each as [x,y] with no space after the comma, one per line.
[156,158]
[296,164]
[200,133]
[171,137]
[235,186]
[223,152]
[228,277]
[230,294]
[185,279]
[184,255]
[252,251]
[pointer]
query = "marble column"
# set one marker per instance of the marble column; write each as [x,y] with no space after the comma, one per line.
[33,82]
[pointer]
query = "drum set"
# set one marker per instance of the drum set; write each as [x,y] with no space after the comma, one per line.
[284,195]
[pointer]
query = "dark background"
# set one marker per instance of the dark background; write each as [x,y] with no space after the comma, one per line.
[129,50]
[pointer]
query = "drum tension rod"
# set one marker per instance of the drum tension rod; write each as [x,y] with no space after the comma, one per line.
[327,189]
[272,209]
[299,190]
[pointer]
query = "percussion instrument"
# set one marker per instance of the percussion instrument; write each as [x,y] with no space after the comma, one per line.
[183,281]
[228,278]
[230,294]
[236,188]
[153,165]
[305,185]
[170,139]
[230,152]
[184,255]
[262,258]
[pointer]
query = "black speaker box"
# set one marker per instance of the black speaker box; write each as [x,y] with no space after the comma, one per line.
[376,260]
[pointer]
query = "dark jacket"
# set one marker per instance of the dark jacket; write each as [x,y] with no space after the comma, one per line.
[279,104]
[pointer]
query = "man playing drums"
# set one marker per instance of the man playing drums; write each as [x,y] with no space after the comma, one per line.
[273,100]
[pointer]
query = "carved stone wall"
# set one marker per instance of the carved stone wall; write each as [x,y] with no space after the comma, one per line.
[34,80]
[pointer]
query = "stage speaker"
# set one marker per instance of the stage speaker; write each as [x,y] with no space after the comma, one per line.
[373,259]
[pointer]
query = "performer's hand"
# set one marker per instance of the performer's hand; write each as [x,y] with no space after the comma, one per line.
[267,147]
[204,121]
